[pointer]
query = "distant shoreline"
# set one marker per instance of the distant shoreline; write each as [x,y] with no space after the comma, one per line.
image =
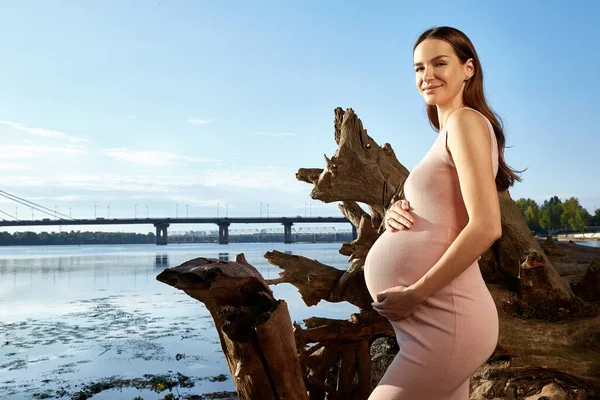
[169,244]
[579,237]
[120,238]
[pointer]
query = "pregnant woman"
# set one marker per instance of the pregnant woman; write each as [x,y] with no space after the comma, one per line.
[423,272]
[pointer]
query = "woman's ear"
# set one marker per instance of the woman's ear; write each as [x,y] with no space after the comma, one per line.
[469,69]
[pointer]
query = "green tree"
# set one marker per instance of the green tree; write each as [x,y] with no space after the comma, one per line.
[72,237]
[530,212]
[595,219]
[574,215]
[550,213]
[522,204]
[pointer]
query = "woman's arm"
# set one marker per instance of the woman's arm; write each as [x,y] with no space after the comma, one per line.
[469,144]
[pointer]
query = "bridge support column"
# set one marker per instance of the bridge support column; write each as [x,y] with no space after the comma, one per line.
[354,233]
[161,233]
[287,232]
[223,232]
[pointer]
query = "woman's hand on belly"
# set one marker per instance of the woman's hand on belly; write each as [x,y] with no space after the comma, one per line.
[398,216]
[397,303]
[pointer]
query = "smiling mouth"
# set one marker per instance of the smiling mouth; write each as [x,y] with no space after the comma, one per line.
[431,88]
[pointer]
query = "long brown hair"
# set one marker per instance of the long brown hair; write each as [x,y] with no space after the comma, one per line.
[473,96]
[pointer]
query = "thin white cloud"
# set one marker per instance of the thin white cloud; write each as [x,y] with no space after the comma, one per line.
[6,166]
[76,139]
[193,201]
[96,182]
[243,177]
[31,151]
[66,198]
[283,134]
[43,132]
[196,121]
[256,177]
[153,157]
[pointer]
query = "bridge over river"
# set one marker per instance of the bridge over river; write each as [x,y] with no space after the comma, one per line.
[162,224]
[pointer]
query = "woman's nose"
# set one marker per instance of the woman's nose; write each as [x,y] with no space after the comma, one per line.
[428,74]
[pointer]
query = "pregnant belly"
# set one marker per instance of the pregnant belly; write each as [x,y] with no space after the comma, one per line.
[402,258]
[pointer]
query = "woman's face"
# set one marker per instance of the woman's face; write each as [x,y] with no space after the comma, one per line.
[439,73]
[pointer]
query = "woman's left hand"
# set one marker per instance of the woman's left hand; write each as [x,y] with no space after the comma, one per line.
[397,303]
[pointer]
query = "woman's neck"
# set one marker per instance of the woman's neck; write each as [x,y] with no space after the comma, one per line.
[445,111]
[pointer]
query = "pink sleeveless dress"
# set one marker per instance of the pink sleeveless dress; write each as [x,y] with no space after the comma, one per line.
[452,333]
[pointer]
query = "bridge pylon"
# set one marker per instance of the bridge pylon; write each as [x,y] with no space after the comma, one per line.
[223,232]
[287,232]
[161,233]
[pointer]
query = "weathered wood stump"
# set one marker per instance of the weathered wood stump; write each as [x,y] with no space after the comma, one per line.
[549,344]
[254,328]
[589,286]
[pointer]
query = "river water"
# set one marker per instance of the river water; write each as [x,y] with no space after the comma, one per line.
[71,316]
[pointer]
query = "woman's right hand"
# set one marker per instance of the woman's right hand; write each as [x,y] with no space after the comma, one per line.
[398,217]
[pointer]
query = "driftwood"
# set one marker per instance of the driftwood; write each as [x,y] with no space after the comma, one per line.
[549,341]
[254,328]
[589,286]
[317,281]
[533,353]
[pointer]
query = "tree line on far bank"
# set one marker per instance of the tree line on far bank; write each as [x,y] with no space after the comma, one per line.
[555,214]
[74,238]
[552,215]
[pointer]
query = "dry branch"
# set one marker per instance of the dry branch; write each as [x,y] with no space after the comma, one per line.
[357,327]
[315,281]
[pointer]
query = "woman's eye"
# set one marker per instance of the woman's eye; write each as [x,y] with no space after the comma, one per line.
[440,63]
[419,69]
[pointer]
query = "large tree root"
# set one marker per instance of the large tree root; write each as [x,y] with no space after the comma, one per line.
[546,294]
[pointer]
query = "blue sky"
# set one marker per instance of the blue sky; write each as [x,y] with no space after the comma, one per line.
[195,103]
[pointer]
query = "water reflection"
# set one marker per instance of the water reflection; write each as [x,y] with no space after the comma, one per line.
[226,256]
[162,261]
[83,300]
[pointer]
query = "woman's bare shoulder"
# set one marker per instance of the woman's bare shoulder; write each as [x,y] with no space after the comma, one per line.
[466,119]
[467,123]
